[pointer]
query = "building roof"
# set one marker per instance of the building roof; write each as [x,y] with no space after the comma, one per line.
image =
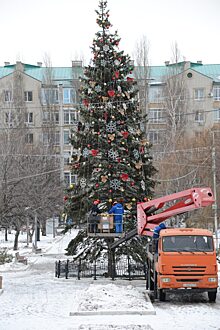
[156,73]
[210,70]
[59,74]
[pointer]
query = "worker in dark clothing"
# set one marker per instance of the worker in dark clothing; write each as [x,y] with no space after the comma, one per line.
[94,217]
[117,210]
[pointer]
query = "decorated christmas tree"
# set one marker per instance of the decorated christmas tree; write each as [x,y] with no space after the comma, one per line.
[112,159]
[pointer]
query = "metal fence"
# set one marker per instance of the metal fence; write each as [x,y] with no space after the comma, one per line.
[126,269]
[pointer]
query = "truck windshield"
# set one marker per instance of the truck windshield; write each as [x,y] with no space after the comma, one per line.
[187,243]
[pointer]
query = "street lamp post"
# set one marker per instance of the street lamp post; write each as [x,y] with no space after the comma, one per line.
[35,230]
[215,208]
[61,123]
[27,229]
[27,226]
[53,226]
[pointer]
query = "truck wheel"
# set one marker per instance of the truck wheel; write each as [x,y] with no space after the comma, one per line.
[212,296]
[150,282]
[162,295]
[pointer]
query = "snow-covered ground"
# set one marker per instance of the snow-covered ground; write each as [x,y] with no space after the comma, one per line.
[33,299]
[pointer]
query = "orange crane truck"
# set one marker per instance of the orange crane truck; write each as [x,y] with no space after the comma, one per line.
[182,258]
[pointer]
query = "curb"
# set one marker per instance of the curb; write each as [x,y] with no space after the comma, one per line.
[113,312]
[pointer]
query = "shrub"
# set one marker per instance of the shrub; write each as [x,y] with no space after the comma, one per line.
[5,257]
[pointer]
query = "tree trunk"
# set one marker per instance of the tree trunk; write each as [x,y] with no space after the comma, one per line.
[31,233]
[111,258]
[43,228]
[6,234]
[16,239]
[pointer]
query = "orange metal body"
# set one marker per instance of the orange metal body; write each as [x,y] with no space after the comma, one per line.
[179,270]
[186,269]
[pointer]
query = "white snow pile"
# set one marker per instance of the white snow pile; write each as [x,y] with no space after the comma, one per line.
[33,299]
[113,298]
[115,327]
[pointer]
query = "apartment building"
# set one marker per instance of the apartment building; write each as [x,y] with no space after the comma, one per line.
[49,96]
[186,91]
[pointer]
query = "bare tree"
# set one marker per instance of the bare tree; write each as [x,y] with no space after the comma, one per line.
[189,165]
[142,73]
[29,173]
[175,103]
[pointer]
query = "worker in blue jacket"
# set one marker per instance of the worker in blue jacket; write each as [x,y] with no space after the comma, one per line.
[117,210]
[156,234]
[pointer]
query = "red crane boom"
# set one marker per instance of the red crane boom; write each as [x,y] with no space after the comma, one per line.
[182,202]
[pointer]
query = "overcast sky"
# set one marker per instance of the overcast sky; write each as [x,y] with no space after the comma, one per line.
[63,29]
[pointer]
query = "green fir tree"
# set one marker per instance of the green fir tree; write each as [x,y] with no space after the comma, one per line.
[113,154]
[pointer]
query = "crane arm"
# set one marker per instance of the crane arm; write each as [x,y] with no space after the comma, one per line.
[153,212]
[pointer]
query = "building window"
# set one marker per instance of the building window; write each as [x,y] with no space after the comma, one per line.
[199,116]
[153,137]
[216,114]
[28,96]
[70,116]
[67,158]
[29,118]
[29,138]
[8,96]
[51,139]
[66,137]
[70,178]
[69,95]
[199,94]
[9,118]
[156,94]
[199,135]
[156,116]
[216,93]
[49,96]
[50,117]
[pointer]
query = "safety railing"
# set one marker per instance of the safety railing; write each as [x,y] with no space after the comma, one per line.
[106,224]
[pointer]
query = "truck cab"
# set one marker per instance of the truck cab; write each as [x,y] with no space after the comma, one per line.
[186,259]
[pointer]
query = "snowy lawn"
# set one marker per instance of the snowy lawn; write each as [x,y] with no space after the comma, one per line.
[33,299]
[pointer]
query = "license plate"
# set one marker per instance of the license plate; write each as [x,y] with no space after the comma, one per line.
[189,285]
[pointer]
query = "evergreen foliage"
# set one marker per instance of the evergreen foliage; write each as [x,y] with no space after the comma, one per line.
[5,257]
[112,157]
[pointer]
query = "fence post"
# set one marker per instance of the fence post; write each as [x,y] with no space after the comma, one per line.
[67,268]
[146,274]
[145,270]
[58,269]
[113,269]
[94,268]
[129,269]
[79,269]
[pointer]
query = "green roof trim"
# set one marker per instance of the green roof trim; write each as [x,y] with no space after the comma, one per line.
[66,74]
